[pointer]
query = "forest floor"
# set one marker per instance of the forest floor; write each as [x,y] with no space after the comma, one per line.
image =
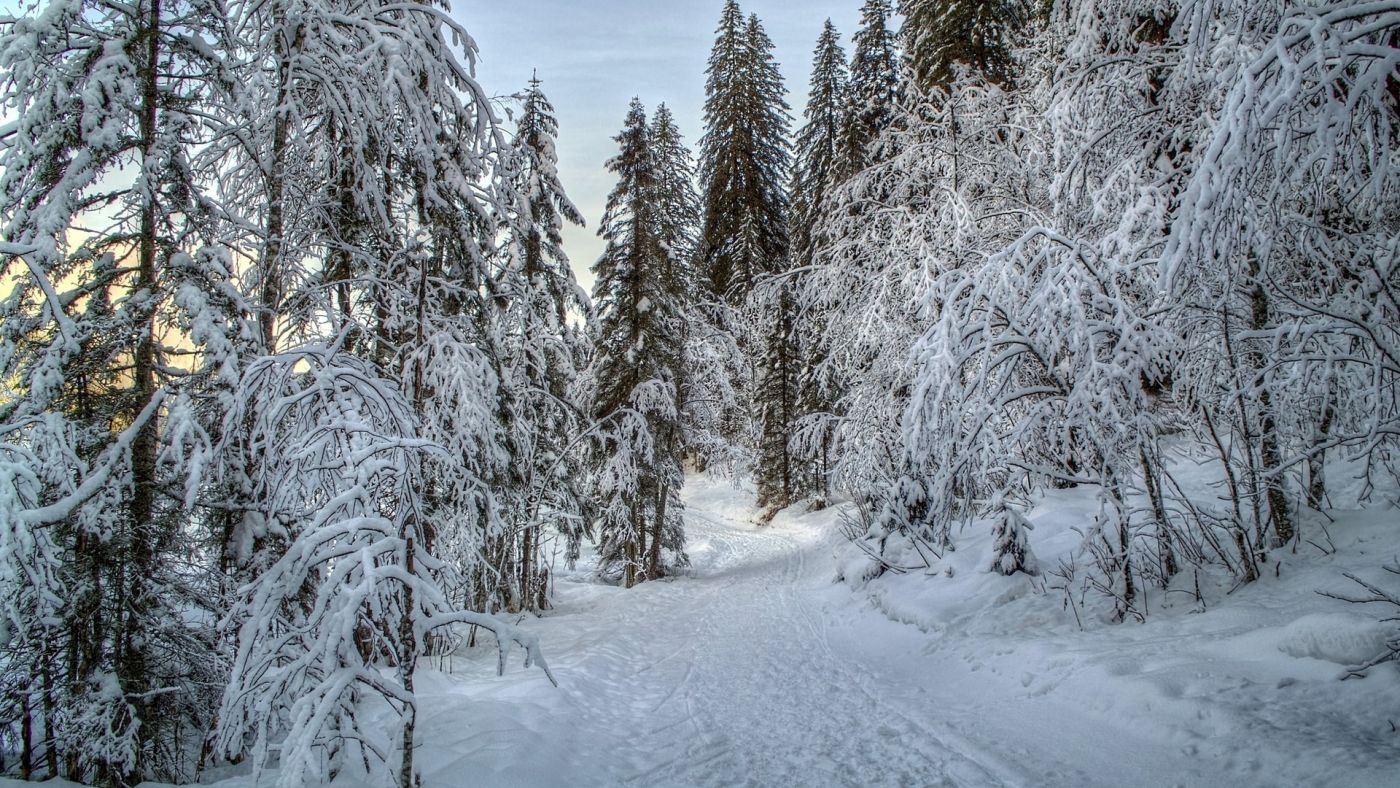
[755,668]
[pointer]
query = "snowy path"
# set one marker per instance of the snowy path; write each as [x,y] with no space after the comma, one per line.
[755,670]
[726,677]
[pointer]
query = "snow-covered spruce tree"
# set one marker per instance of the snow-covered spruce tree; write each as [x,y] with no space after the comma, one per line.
[770,305]
[979,35]
[815,176]
[743,160]
[540,357]
[875,86]
[817,151]
[99,197]
[637,370]
[1011,550]
[677,215]
[678,225]
[744,236]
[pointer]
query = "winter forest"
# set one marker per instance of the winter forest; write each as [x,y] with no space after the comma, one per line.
[1024,409]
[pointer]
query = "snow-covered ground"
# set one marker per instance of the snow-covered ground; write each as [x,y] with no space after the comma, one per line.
[757,670]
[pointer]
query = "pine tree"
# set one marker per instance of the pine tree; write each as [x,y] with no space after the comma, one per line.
[817,172]
[744,160]
[540,357]
[776,400]
[744,167]
[637,366]
[677,216]
[874,86]
[676,202]
[976,34]
[819,144]
[1011,550]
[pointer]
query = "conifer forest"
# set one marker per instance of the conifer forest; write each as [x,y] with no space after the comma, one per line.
[982,393]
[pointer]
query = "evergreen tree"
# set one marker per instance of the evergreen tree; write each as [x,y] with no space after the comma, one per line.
[819,143]
[676,202]
[743,169]
[540,356]
[744,160]
[677,217]
[817,172]
[977,34]
[875,85]
[637,366]
[1011,550]
[776,401]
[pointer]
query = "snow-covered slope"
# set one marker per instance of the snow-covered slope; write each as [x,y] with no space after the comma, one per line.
[757,669]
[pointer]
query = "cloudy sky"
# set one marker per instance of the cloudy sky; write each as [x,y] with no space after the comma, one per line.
[594,55]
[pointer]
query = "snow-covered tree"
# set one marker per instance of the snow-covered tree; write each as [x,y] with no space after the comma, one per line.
[1281,256]
[816,175]
[354,586]
[541,355]
[817,151]
[100,196]
[637,371]
[1011,552]
[744,236]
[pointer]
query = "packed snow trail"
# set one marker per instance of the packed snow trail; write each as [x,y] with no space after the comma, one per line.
[753,670]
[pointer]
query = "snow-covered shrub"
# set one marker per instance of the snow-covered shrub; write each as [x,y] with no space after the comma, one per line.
[1011,550]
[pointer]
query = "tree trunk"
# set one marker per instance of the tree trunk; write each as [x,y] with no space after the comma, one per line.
[1317,473]
[1270,457]
[270,291]
[132,668]
[408,663]
[1166,555]
[654,568]
[26,736]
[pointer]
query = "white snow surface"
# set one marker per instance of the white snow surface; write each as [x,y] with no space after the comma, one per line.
[756,669]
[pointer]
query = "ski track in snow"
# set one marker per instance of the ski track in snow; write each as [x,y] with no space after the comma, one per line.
[724,677]
[754,670]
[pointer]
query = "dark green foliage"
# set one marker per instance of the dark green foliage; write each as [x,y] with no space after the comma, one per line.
[744,160]
[940,35]
[818,149]
[874,86]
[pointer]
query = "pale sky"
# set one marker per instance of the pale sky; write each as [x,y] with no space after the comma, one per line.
[594,55]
